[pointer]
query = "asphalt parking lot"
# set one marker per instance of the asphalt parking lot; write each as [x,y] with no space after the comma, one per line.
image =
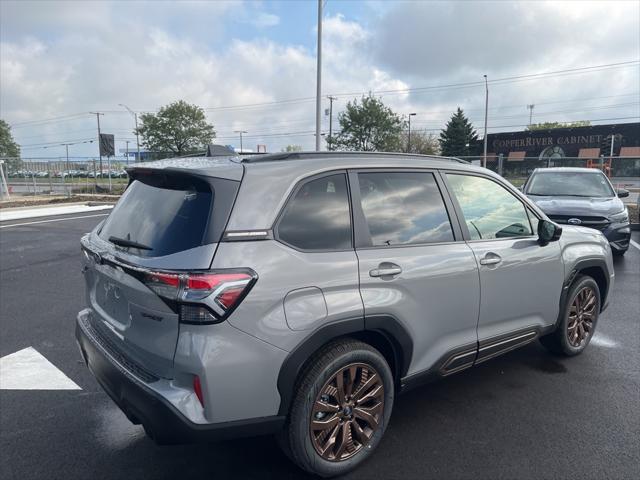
[524,415]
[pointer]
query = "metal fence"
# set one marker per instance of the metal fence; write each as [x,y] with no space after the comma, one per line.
[55,176]
[59,176]
[521,168]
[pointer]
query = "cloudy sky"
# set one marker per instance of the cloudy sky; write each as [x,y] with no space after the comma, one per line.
[251,65]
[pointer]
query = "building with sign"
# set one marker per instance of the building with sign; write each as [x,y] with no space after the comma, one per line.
[520,152]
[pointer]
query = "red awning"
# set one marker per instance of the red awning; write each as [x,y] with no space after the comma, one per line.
[630,152]
[516,156]
[592,153]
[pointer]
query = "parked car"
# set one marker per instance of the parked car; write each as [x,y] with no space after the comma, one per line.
[298,293]
[582,196]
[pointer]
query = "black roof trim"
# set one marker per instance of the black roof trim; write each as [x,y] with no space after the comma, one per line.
[275,157]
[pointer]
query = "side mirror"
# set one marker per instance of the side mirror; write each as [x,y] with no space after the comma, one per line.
[622,193]
[548,232]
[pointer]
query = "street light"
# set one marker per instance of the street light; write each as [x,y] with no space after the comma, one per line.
[135,116]
[240,132]
[486,115]
[409,136]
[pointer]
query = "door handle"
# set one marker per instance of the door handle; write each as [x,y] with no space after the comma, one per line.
[385,269]
[490,259]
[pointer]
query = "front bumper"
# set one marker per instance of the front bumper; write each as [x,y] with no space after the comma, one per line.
[142,405]
[618,236]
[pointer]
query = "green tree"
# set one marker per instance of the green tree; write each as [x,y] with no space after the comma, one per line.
[368,126]
[458,137]
[552,125]
[422,142]
[292,148]
[178,128]
[9,149]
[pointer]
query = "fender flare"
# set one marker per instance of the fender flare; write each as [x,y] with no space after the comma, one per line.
[581,265]
[387,325]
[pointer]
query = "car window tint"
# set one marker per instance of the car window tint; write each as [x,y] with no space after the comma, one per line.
[404,208]
[166,220]
[317,217]
[489,209]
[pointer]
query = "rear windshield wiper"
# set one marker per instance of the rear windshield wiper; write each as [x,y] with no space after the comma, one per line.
[123,242]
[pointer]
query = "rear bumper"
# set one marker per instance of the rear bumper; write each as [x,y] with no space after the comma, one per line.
[142,405]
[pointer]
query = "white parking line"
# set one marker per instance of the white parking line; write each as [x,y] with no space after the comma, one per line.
[635,244]
[54,220]
[28,369]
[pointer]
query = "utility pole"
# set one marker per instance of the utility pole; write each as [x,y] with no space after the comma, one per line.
[409,135]
[127,150]
[486,114]
[530,107]
[97,114]
[135,117]
[319,76]
[66,146]
[331,99]
[240,132]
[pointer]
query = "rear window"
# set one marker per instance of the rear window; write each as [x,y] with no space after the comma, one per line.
[160,219]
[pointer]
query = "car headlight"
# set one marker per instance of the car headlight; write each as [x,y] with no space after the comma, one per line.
[622,217]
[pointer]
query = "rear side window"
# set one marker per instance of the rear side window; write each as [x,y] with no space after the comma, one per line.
[161,219]
[317,217]
[404,208]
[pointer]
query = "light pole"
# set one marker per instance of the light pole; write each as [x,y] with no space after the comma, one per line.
[127,150]
[409,135]
[319,76]
[97,114]
[486,114]
[135,117]
[240,132]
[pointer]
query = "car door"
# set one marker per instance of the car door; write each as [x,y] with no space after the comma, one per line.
[414,265]
[520,280]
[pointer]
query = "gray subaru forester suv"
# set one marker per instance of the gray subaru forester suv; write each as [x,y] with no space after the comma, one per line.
[296,294]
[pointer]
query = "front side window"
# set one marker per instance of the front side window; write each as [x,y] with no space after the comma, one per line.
[317,217]
[490,210]
[403,208]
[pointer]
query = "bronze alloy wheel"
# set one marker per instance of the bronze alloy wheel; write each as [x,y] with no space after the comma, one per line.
[347,412]
[581,316]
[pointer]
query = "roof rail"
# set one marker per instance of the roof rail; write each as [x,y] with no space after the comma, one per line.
[275,157]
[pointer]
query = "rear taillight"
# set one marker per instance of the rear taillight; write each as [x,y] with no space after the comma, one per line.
[203,297]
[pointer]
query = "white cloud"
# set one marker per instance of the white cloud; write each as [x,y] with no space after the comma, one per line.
[263,20]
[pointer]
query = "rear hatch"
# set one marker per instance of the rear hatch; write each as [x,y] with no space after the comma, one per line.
[166,221]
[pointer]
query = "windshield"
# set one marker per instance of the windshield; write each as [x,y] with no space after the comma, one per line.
[152,221]
[578,184]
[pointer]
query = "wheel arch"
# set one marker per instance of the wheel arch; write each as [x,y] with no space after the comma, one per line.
[383,332]
[594,268]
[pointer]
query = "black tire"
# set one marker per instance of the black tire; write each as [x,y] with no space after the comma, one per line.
[296,438]
[618,253]
[559,342]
